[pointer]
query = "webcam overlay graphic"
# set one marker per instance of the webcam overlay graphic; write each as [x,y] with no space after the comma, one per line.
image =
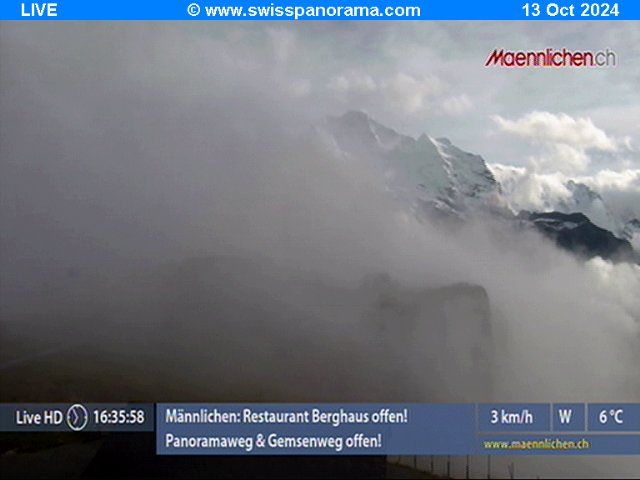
[320,238]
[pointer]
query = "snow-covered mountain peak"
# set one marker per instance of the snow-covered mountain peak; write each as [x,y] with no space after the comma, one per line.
[355,130]
[427,173]
[443,141]
[584,199]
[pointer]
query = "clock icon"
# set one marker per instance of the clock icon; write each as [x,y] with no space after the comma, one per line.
[77,417]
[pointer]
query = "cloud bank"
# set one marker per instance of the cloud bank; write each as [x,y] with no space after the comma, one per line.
[568,141]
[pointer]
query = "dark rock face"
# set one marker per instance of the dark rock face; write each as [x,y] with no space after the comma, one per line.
[576,233]
[452,324]
[253,330]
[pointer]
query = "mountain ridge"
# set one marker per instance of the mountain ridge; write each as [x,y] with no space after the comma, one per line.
[425,172]
[434,177]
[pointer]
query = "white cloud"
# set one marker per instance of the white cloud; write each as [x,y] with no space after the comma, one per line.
[300,87]
[620,283]
[457,105]
[620,190]
[411,93]
[283,43]
[529,190]
[545,127]
[567,141]
[563,158]
[626,180]
[352,81]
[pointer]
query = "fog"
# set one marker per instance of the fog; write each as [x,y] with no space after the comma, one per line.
[165,197]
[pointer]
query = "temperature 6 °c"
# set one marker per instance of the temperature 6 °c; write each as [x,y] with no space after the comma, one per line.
[614,415]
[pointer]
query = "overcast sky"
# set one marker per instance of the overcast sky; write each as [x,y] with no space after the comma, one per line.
[414,76]
[431,76]
[95,81]
[428,76]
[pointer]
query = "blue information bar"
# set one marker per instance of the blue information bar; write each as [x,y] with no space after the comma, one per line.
[569,417]
[612,417]
[393,429]
[514,417]
[325,429]
[321,10]
[350,429]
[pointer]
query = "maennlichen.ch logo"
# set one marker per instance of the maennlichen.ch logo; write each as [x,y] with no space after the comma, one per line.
[552,58]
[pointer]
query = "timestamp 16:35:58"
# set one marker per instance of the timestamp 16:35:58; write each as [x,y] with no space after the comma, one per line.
[118,416]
